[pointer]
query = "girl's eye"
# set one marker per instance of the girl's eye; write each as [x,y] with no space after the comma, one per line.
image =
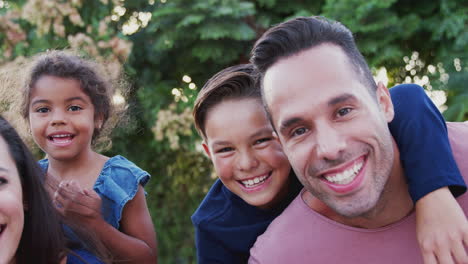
[299,131]
[343,111]
[42,110]
[74,108]
[226,149]
[259,141]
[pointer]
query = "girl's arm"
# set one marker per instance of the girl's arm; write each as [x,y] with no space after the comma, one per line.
[433,176]
[135,243]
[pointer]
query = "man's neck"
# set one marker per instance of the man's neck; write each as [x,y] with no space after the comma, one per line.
[394,204]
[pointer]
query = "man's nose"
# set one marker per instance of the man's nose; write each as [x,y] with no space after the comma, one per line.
[329,143]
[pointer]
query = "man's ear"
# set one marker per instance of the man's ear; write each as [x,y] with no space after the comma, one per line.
[385,102]
[206,149]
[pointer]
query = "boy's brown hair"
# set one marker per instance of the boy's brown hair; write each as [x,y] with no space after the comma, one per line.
[235,82]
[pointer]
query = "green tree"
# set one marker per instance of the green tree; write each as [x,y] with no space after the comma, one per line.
[169,48]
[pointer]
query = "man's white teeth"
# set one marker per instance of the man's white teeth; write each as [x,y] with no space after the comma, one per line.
[254,181]
[346,176]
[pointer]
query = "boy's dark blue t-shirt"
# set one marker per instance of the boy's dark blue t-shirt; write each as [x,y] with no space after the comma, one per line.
[226,227]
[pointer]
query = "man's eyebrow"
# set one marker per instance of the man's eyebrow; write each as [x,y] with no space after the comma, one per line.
[3,169]
[288,123]
[335,100]
[340,99]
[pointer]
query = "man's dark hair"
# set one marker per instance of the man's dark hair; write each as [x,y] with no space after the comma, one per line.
[302,33]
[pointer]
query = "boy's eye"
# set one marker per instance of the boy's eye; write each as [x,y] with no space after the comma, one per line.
[42,110]
[74,108]
[299,131]
[226,149]
[344,111]
[259,141]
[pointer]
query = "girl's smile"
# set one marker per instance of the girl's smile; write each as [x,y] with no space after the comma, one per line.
[61,139]
[62,117]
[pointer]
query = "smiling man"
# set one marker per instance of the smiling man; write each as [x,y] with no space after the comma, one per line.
[332,121]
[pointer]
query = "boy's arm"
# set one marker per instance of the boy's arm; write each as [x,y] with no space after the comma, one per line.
[433,176]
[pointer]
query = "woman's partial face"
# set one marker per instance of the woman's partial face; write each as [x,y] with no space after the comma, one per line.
[11,206]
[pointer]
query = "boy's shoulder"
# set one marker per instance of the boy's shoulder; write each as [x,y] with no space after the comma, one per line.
[216,203]
[223,208]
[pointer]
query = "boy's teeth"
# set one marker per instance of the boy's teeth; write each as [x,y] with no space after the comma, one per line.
[346,176]
[252,182]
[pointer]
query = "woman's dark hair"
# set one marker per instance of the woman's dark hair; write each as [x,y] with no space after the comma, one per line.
[42,240]
[235,82]
[302,33]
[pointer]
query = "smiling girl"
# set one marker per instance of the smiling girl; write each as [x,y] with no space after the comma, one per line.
[67,102]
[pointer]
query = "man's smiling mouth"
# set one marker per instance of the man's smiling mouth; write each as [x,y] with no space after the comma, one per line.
[346,176]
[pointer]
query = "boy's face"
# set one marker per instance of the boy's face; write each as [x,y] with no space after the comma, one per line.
[247,157]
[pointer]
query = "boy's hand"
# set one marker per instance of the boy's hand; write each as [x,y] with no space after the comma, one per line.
[76,204]
[442,228]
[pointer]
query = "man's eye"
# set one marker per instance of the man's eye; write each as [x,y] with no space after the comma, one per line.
[344,111]
[74,108]
[42,110]
[299,131]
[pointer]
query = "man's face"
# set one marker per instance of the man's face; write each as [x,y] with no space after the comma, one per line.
[333,130]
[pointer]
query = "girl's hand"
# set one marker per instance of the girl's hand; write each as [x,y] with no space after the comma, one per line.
[76,204]
[442,228]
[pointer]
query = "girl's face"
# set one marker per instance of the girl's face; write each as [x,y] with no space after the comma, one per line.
[11,206]
[61,117]
[247,157]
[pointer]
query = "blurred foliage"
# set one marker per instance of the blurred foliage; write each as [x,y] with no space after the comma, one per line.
[169,48]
